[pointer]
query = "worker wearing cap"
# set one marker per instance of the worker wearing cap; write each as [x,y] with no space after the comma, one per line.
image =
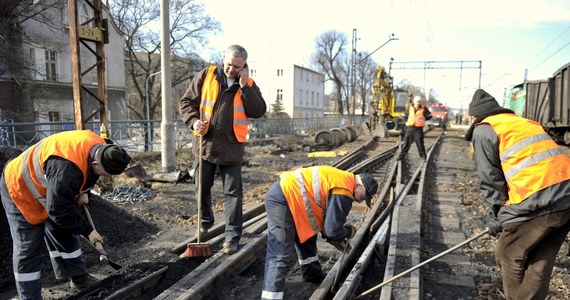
[40,191]
[300,204]
[525,180]
[416,116]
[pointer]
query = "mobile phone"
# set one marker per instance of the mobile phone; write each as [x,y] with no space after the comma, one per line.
[244,68]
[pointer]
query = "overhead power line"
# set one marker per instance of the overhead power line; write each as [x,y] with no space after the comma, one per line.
[551,55]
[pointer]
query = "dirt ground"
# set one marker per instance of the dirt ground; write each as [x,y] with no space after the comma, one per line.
[140,234]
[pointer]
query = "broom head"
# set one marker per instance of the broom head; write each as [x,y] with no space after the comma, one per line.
[197,250]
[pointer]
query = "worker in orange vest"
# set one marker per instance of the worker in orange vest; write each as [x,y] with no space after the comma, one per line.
[217,105]
[40,191]
[301,204]
[525,179]
[416,116]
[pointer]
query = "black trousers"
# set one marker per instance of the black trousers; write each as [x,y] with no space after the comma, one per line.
[415,134]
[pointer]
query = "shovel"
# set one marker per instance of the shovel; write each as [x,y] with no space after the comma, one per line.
[103,258]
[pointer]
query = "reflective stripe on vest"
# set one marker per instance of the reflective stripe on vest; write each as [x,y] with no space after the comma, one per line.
[25,177]
[306,199]
[527,152]
[416,117]
[210,92]
[307,190]
[38,172]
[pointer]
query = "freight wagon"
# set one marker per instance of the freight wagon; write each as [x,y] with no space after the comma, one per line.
[545,101]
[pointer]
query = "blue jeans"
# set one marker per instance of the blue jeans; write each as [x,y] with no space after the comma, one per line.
[282,242]
[64,249]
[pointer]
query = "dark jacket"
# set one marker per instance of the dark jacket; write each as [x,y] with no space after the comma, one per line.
[220,145]
[64,180]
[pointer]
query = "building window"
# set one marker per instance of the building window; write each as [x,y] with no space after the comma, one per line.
[54,116]
[279,94]
[312,98]
[51,63]
[279,72]
[84,15]
[33,58]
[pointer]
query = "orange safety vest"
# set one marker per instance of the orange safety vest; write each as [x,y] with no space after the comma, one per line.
[25,177]
[416,117]
[530,159]
[210,91]
[307,191]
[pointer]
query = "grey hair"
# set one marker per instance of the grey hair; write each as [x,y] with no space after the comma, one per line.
[236,51]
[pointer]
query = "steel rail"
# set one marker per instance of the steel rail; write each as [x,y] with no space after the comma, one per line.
[325,290]
[202,280]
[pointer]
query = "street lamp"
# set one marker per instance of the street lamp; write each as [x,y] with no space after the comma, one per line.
[353,67]
[392,38]
[149,124]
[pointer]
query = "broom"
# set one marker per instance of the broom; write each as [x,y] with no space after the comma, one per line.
[198,249]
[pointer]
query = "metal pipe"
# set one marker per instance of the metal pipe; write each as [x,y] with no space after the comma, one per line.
[424,263]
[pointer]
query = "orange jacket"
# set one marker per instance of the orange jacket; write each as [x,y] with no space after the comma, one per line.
[307,191]
[416,117]
[210,92]
[530,159]
[25,177]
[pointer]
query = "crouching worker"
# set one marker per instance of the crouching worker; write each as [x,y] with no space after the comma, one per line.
[40,191]
[301,204]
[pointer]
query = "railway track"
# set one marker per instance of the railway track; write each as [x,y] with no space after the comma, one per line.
[418,213]
[388,237]
[391,238]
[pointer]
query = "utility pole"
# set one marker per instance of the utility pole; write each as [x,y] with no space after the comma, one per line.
[93,31]
[167,127]
[352,76]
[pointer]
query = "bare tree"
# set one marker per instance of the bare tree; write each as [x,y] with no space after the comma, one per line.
[329,56]
[364,78]
[139,20]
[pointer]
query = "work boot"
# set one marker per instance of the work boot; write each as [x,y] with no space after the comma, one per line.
[318,278]
[230,247]
[205,227]
[83,282]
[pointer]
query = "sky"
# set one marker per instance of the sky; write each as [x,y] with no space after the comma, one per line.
[513,39]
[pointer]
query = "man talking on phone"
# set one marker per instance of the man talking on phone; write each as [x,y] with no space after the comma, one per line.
[217,105]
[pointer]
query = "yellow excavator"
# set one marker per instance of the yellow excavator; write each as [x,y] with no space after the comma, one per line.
[388,104]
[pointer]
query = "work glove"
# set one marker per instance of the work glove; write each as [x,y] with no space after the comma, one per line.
[82,199]
[495,227]
[94,238]
[350,230]
[341,245]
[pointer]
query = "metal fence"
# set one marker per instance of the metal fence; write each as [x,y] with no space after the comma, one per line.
[135,136]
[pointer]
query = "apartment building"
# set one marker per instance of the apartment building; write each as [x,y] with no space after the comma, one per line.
[300,89]
[46,93]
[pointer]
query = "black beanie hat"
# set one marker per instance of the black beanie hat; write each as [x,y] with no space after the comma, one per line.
[482,103]
[112,158]
[371,186]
